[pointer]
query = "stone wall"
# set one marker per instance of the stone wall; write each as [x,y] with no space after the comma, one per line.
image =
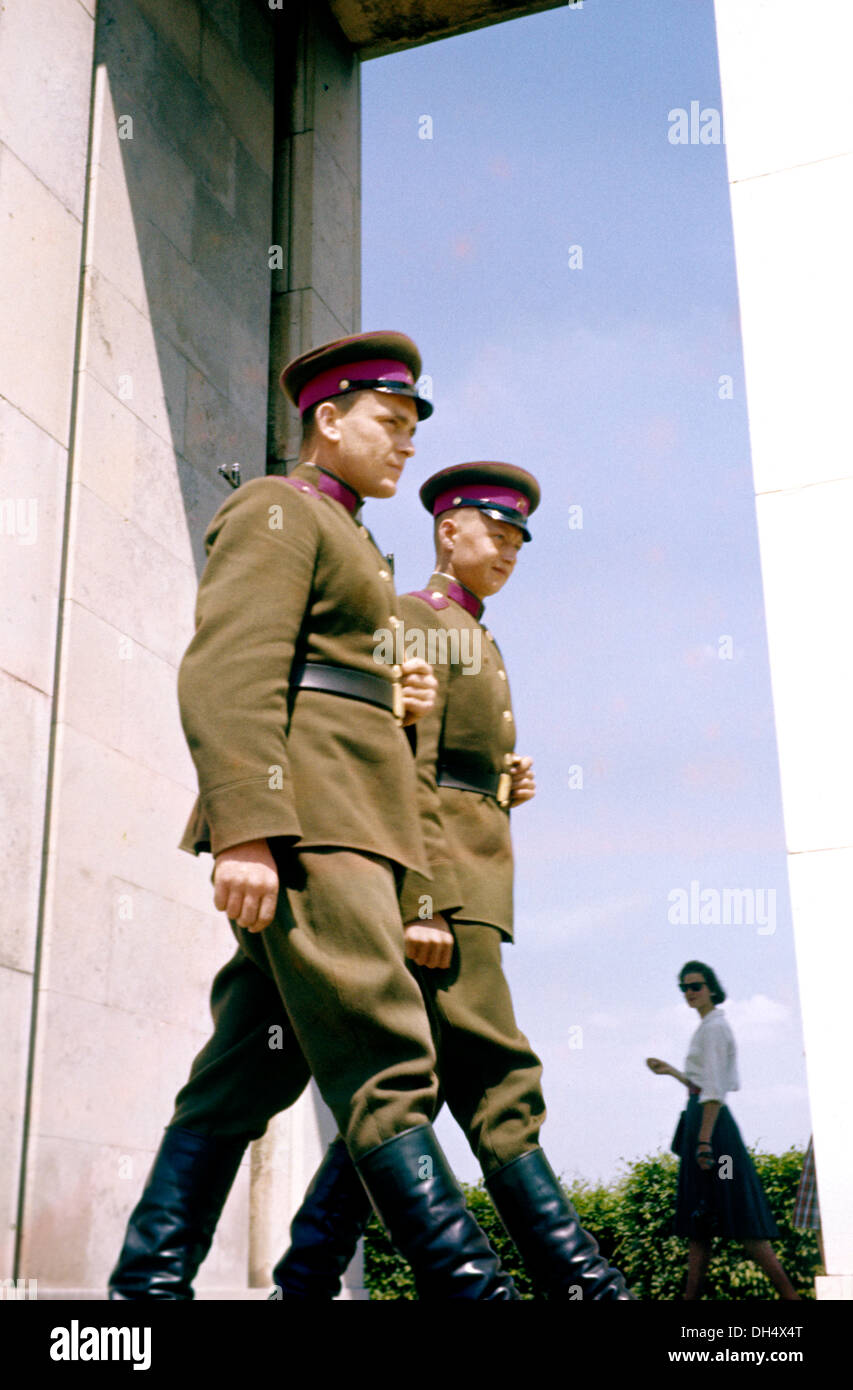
[168,380]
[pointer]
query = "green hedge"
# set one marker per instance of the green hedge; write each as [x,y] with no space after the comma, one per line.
[632,1220]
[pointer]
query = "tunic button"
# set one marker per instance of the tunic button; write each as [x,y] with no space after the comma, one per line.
[384,574]
[396,672]
[394,619]
[507,714]
[501,675]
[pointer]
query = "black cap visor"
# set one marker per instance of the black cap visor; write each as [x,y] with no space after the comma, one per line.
[496,511]
[395,388]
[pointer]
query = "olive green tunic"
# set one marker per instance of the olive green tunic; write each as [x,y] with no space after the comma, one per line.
[471,726]
[292,575]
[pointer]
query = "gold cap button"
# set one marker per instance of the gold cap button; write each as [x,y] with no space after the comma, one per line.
[384,574]
[507,714]
[436,593]
[502,675]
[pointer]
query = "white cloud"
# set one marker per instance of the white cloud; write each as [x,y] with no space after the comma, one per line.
[544,928]
[757,1018]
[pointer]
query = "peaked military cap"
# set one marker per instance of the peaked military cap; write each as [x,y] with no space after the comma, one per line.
[501,490]
[366,362]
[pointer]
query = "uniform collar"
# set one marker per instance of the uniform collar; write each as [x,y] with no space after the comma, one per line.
[453,589]
[331,485]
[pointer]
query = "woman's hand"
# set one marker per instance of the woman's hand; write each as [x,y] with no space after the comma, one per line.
[658,1067]
[705,1156]
[704,1150]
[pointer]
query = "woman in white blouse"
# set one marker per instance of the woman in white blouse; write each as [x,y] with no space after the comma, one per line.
[719,1191]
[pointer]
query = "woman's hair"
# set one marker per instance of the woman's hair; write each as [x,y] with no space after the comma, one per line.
[698,967]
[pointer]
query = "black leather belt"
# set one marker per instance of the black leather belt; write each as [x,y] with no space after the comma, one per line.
[496,784]
[352,684]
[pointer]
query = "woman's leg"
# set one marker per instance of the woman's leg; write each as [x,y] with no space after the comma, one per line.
[762,1252]
[698,1255]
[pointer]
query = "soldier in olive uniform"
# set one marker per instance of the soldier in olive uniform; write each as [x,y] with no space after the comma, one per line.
[307,800]
[468,779]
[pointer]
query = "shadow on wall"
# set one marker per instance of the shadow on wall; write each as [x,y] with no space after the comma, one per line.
[181,215]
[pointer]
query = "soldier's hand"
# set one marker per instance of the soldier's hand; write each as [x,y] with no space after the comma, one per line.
[430,943]
[523,782]
[418,685]
[245,882]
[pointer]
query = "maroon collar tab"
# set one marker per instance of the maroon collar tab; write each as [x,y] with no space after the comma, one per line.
[458,593]
[333,487]
[434,597]
[465,598]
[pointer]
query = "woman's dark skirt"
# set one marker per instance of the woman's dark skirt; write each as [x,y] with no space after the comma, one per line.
[729,1200]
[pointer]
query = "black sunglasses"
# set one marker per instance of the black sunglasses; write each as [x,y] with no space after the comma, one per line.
[692,985]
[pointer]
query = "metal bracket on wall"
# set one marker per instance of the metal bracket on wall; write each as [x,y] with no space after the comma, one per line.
[231,473]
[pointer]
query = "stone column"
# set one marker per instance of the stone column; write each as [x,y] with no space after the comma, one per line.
[317,290]
[789,128]
[316,249]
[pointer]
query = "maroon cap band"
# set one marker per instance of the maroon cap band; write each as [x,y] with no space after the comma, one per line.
[481,493]
[336,380]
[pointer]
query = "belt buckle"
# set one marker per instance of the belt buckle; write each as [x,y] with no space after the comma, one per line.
[398,706]
[504,789]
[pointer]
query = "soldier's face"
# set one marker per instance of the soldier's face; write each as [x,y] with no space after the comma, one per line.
[483,551]
[375,442]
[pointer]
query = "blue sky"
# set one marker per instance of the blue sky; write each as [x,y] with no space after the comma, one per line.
[552,133]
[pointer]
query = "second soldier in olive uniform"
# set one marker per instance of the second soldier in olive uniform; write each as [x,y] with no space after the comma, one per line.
[468,778]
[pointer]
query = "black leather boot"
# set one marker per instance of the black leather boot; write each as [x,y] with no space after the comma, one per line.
[422,1207]
[325,1231]
[172,1225]
[559,1254]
